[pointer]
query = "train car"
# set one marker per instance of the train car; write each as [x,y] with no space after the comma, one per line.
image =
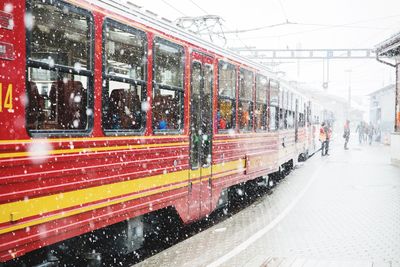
[109,114]
[292,127]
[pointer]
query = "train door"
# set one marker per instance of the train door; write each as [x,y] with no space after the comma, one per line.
[200,135]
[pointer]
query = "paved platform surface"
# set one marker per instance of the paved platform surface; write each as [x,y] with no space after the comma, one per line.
[339,210]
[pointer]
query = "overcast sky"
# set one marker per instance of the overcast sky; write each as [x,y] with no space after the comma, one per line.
[318,24]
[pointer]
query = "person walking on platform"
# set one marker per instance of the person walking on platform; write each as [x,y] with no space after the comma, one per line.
[371,131]
[360,130]
[323,137]
[328,132]
[346,134]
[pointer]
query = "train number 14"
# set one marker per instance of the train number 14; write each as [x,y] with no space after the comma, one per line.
[7,103]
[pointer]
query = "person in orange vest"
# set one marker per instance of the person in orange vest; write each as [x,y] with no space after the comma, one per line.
[328,132]
[324,136]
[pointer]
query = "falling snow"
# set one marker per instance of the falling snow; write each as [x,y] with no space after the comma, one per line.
[8,7]
[39,151]
[28,21]
[77,67]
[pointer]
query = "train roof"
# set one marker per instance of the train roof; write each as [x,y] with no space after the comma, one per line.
[390,46]
[163,25]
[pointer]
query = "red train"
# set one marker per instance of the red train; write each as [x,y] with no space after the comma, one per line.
[109,114]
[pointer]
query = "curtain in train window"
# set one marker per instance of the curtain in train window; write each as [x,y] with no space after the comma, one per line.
[59,67]
[261,118]
[124,94]
[168,91]
[246,100]
[226,96]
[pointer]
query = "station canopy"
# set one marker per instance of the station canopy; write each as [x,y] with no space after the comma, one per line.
[390,48]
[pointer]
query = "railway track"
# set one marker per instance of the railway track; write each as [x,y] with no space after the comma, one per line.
[245,196]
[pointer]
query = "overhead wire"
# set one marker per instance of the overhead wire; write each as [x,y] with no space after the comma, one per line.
[341,26]
[323,26]
[302,24]
[223,32]
[260,28]
[328,26]
[359,75]
[283,10]
[359,79]
[199,7]
[173,7]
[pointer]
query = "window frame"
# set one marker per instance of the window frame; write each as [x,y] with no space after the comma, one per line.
[302,114]
[106,78]
[158,86]
[282,110]
[89,73]
[234,100]
[191,112]
[275,91]
[204,67]
[250,101]
[265,115]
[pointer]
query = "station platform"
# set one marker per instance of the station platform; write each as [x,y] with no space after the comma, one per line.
[338,210]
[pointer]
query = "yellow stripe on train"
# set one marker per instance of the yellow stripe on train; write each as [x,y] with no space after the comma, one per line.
[158,183]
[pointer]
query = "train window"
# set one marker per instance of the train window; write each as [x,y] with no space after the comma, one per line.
[274,101]
[309,114]
[274,106]
[261,119]
[246,100]
[207,107]
[168,91]
[200,114]
[290,119]
[286,119]
[301,120]
[273,118]
[59,69]
[59,35]
[124,90]
[195,118]
[303,111]
[294,119]
[226,96]
[292,102]
[282,119]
